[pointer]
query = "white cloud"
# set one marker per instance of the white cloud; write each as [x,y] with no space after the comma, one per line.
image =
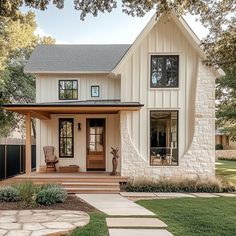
[62,42]
[41,33]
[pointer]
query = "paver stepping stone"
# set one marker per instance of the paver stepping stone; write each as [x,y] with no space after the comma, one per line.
[114,204]
[42,222]
[139,232]
[134,222]
[18,233]
[32,226]
[225,194]
[207,195]
[137,194]
[10,225]
[7,219]
[173,195]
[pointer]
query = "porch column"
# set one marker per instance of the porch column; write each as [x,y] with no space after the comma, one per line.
[28,144]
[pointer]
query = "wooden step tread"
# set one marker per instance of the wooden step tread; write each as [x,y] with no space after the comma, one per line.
[90,188]
[89,183]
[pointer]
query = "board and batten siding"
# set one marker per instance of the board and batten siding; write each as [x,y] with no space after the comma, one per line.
[163,39]
[48,135]
[47,130]
[47,86]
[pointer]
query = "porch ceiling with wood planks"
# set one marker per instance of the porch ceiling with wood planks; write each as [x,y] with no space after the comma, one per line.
[45,110]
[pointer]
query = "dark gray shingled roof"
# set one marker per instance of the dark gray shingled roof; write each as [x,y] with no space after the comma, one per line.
[75,58]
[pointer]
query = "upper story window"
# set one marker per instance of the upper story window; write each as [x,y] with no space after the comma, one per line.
[68,89]
[95,91]
[164,71]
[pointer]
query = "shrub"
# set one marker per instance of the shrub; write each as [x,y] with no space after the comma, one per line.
[26,190]
[179,185]
[9,194]
[50,194]
[227,158]
[219,147]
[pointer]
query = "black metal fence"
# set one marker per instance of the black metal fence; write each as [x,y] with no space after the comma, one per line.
[12,160]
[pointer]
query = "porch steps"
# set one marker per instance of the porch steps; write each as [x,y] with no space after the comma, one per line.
[91,187]
[78,183]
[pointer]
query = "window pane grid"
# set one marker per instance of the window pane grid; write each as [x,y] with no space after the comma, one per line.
[164,71]
[96,131]
[164,138]
[66,137]
[68,89]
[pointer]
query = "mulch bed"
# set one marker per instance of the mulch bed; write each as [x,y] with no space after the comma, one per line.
[72,203]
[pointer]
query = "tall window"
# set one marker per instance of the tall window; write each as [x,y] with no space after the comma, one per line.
[68,89]
[164,138]
[164,71]
[66,137]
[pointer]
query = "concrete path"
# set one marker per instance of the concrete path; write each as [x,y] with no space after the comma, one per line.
[161,195]
[139,232]
[40,222]
[135,222]
[115,204]
[225,194]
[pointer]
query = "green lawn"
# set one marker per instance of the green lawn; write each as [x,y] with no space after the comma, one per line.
[196,217]
[227,169]
[185,217]
[96,227]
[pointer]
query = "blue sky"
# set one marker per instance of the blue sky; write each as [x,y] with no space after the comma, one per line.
[116,27]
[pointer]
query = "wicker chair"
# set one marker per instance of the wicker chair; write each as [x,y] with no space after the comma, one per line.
[50,158]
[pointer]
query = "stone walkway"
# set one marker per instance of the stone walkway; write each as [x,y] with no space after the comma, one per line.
[117,205]
[121,205]
[40,222]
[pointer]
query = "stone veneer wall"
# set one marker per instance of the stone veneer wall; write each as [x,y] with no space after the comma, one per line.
[199,160]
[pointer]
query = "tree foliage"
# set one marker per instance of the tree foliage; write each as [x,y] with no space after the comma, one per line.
[226,104]
[217,15]
[18,41]
[16,33]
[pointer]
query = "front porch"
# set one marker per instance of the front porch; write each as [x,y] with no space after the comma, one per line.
[94,127]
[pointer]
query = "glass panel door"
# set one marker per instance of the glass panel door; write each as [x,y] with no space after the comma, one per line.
[96,144]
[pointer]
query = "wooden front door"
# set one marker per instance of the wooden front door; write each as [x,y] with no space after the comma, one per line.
[96,144]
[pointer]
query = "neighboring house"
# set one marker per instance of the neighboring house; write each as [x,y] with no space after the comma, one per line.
[154,99]
[224,140]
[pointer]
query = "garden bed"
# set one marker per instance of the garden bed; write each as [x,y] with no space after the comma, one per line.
[179,185]
[71,203]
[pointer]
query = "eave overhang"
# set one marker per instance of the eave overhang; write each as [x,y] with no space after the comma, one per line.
[45,110]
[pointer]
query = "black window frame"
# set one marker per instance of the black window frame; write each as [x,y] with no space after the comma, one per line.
[149,138]
[91,91]
[164,70]
[73,136]
[59,89]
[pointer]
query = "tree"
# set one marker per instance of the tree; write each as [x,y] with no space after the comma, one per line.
[217,15]
[226,104]
[16,33]
[16,86]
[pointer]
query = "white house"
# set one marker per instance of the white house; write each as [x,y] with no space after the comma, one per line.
[154,99]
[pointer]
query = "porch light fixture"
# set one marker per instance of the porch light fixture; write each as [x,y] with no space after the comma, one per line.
[79,126]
